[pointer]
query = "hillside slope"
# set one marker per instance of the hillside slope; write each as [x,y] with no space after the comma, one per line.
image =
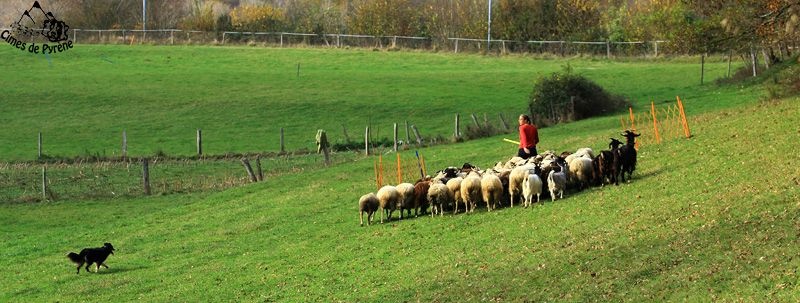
[713,217]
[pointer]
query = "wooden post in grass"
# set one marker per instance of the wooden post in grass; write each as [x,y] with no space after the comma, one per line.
[124,144]
[729,63]
[455,132]
[283,147]
[323,145]
[44,182]
[475,120]
[146,175]
[199,142]
[416,134]
[503,121]
[753,60]
[258,167]
[485,120]
[249,170]
[408,134]
[395,137]
[366,141]
[39,157]
[702,67]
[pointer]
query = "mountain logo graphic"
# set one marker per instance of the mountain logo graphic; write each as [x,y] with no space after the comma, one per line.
[35,21]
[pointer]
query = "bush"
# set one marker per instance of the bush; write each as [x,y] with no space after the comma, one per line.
[564,97]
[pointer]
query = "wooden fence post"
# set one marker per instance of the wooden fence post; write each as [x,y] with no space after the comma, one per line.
[456,132]
[249,170]
[283,147]
[395,137]
[258,167]
[124,144]
[729,63]
[503,120]
[146,176]
[702,67]
[475,120]
[39,157]
[366,141]
[44,182]
[416,134]
[485,120]
[199,142]
[323,145]
[408,133]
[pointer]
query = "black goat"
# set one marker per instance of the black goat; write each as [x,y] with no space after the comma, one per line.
[627,155]
[609,163]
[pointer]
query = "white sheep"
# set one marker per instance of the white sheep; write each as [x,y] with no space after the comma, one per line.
[492,190]
[518,174]
[532,185]
[585,152]
[439,195]
[388,197]
[557,182]
[367,204]
[455,187]
[406,203]
[470,192]
[581,170]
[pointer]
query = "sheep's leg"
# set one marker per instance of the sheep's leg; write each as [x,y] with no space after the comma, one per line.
[361,217]
[561,194]
[553,195]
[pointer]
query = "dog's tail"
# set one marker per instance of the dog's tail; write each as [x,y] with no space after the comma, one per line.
[75,258]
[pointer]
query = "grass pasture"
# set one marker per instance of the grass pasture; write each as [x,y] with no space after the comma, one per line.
[82,100]
[695,225]
[715,217]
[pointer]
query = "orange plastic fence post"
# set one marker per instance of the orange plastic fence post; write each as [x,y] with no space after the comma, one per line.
[377,177]
[655,121]
[683,118]
[633,127]
[380,169]
[399,170]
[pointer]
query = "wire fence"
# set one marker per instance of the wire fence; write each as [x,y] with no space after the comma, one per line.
[35,182]
[288,39]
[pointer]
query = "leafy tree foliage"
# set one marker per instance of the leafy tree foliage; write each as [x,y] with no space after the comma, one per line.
[565,96]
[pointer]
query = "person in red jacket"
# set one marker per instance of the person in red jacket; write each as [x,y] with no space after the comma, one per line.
[528,137]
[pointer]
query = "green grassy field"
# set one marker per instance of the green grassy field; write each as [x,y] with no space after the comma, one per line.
[712,218]
[82,100]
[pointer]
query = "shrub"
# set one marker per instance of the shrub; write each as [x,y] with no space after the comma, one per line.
[565,96]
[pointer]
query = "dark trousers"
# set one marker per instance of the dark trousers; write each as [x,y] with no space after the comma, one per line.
[524,155]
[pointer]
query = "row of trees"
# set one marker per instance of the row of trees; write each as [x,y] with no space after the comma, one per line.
[693,26]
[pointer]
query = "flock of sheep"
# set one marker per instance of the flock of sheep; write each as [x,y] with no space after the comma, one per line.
[517,180]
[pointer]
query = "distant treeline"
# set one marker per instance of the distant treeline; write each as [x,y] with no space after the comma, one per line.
[691,26]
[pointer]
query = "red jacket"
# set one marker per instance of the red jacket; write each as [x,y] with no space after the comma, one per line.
[528,136]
